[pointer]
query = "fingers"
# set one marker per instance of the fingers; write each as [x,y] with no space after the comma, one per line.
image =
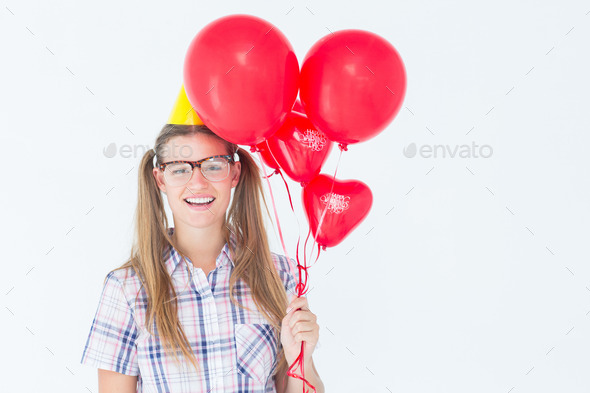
[301,316]
[303,326]
[296,306]
[301,322]
[309,337]
[298,302]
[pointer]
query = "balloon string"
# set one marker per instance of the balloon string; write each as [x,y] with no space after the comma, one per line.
[300,291]
[288,193]
[299,288]
[342,148]
[283,177]
[302,283]
[272,173]
[255,149]
[299,361]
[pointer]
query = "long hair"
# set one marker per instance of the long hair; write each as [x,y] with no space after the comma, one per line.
[252,259]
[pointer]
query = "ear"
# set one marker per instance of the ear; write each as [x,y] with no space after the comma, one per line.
[159,176]
[236,171]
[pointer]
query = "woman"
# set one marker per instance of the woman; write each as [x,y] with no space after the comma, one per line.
[199,307]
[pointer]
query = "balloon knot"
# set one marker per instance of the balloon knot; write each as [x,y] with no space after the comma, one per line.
[299,288]
[324,248]
[343,147]
[253,149]
[303,184]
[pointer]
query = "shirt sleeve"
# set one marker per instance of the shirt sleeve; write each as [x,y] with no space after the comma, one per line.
[111,343]
[287,269]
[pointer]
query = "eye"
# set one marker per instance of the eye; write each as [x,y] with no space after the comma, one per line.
[215,164]
[179,169]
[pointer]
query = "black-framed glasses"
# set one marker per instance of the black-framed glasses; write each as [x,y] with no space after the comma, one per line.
[214,168]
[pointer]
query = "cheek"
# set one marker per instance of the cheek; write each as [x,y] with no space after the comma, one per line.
[225,198]
[174,204]
[174,200]
[225,195]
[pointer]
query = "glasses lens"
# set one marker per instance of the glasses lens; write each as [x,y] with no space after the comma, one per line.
[215,169]
[178,174]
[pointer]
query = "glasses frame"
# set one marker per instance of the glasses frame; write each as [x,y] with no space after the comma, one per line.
[193,164]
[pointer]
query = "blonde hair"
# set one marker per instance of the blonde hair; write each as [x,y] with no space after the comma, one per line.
[252,258]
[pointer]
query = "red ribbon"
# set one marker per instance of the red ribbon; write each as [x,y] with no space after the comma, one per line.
[301,287]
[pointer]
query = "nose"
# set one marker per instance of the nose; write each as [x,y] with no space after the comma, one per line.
[197,179]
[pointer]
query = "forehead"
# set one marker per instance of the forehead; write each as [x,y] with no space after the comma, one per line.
[192,147]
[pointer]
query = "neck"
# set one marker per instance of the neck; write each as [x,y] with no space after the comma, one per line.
[201,245]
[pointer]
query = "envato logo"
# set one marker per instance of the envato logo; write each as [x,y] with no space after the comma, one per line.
[135,151]
[444,151]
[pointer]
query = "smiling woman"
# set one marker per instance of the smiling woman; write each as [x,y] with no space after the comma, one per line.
[201,306]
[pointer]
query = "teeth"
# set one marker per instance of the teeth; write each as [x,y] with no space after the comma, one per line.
[199,200]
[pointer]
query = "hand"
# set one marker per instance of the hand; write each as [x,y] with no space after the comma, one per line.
[297,326]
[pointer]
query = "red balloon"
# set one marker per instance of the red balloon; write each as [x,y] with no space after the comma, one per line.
[298,107]
[267,156]
[350,203]
[299,148]
[352,84]
[241,76]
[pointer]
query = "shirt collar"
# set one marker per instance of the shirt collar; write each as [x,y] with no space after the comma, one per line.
[173,258]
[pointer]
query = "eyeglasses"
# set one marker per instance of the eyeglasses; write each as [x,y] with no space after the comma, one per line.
[214,168]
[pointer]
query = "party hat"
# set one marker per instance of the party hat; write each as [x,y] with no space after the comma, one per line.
[183,112]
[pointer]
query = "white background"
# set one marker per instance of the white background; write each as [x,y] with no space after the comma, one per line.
[469,274]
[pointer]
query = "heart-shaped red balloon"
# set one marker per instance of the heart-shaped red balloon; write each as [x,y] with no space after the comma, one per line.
[299,148]
[347,206]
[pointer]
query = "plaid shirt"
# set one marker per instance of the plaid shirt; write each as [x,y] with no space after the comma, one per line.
[235,348]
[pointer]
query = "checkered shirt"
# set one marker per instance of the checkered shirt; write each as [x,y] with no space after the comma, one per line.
[235,348]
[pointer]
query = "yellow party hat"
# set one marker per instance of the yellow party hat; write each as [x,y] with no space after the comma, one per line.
[183,112]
